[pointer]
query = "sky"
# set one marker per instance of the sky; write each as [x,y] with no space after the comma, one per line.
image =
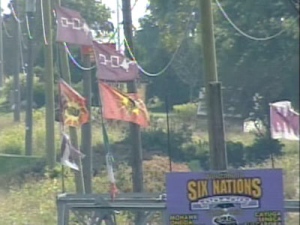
[138,11]
[4,3]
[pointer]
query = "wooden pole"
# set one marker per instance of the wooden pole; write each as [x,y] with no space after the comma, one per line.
[1,55]
[218,160]
[135,132]
[86,130]
[30,11]
[49,86]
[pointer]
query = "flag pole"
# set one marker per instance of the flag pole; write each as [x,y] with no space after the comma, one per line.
[62,127]
[168,132]
[270,135]
[66,75]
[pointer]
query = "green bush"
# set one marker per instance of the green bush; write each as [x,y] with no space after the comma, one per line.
[38,90]
[186,113]
[235,154]
[262,149]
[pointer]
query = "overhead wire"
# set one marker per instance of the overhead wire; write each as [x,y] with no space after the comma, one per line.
[28,27]
[167,65]
[5,30]
[20,39]
[21,49]
[14,13]
[242,32]
[74,60]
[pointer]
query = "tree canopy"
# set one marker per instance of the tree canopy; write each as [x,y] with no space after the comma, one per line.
[257,46]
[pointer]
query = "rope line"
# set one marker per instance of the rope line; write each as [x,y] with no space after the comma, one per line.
[14,13]
[74,60]
[21,49]
[242,32]
[43,23]
[170,61]
[28,28]
[5,30]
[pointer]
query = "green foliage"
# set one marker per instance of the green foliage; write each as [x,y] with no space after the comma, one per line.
[245,66]
[12,164]
[186,113]
[262,149]
[38,90]
[12,140]
[157,141]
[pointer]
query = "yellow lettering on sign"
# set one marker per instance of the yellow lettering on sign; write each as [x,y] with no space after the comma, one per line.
[243,186]
[197,189]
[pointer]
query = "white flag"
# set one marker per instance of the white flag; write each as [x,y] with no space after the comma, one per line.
[69,153]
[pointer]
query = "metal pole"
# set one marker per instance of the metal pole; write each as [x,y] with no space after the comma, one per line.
[216,136]
[49,87]
[30,10]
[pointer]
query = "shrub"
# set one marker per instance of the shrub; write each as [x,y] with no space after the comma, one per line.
[186,113]
[157,140]
[38,90]
[235,154]
[262,148]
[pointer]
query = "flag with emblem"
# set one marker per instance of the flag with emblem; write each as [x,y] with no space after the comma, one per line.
[117,105]
[284,121]
[112,65]
[73,106]
[71,27]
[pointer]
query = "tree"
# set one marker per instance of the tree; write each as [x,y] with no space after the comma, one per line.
[96,15]
[245,66]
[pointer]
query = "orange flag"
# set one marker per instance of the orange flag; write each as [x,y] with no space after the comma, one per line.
[121,106]
[73,105]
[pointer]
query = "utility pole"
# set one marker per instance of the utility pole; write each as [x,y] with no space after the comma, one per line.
[137,156]
[86,130]
[1,53]
[135,132]
[218,156]
[30,10]
[16,77]
[49,86]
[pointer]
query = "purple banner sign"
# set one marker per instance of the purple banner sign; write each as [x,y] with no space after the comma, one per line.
[112,65]
[244,197]
[72,28]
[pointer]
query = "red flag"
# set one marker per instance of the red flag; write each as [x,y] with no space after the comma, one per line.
[112,65]
[121,106]
[284,121]
[73,106]
[71,27]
